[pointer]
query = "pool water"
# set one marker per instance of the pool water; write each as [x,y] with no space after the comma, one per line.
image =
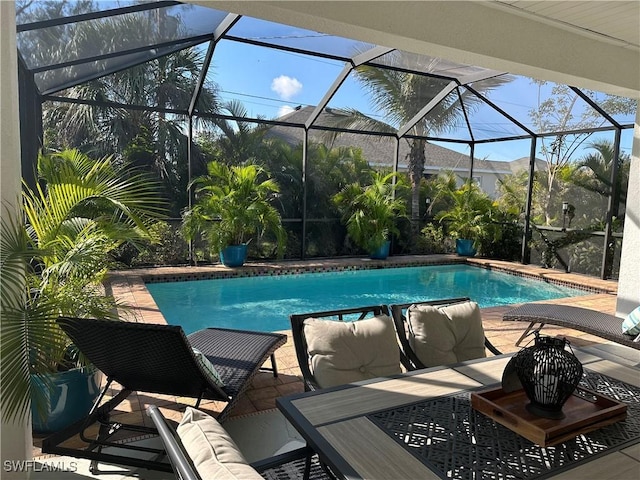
[265,303]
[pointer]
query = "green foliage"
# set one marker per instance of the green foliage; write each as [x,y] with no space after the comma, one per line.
[328,170]
[370,212]
[561,109]
[468,216]
[233,207]
[501,236]
[586,257]
[585,184]
[468,212]
[550,249]
[166,246]
[433,240]
[82,210]
[592,173]
[140,151]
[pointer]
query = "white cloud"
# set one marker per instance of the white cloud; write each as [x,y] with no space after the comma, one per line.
[286,87]
[284,110]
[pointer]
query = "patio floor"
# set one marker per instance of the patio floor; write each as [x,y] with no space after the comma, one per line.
[129,287]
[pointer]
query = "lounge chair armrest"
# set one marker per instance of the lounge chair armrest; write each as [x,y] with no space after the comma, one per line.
[177,456]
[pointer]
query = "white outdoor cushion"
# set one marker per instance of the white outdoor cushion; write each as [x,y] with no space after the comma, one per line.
[346,352]
[447,334]
[212,450]
[631,324]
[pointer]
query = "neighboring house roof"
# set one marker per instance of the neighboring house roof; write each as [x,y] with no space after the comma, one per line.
[378,150]
[523,164]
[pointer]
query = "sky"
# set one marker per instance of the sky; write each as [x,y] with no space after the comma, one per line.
[271,83]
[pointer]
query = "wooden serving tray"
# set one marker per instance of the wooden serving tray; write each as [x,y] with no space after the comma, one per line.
[584,411]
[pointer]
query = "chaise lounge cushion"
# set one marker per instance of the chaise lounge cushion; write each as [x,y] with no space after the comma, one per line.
[447,334]
[631,324]
[346,352]
[213,452]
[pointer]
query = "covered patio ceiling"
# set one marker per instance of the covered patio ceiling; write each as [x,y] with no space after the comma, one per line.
[66,48]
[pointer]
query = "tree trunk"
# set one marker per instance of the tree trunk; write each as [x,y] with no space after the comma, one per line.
[416,169]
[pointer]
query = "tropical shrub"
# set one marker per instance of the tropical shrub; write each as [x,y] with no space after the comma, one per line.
[502,236]
[432,239]
[370,212]
[79,213]
[166,246]
[233,206]
[469,215]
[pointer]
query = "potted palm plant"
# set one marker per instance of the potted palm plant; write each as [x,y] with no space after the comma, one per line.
[370,212]
[233,206]
[53,264]
[467,217]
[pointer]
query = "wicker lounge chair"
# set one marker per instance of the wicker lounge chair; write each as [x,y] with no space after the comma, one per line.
[592,322]
[342,315]
[295,464]
[159,359]
[401,323]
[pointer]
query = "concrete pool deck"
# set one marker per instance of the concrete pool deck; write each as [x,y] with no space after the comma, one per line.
[129,288]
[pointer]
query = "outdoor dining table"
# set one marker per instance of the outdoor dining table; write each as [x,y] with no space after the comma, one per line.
[420,425]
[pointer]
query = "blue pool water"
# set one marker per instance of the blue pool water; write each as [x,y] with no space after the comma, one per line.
[265,303]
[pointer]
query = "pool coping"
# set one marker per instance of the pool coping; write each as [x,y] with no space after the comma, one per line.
[129,286]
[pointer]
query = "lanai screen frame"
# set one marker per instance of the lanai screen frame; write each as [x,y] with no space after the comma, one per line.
[31,100]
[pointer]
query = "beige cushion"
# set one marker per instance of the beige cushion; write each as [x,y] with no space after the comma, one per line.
[447,334]
[346,352]
[213,452]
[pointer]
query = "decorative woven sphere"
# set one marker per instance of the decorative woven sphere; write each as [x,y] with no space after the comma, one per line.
[549,374]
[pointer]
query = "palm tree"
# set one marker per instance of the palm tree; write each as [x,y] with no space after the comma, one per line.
[593,172]
[54,264]
[239,142]
[153,139]
[400,95]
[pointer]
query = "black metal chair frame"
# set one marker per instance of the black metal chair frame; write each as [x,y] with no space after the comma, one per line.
[398,311]
[300,343]
[157,358]
[184,468]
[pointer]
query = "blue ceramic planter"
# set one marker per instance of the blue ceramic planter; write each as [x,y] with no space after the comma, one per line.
[73,395]
[381,253]
[465,248]
[233,255]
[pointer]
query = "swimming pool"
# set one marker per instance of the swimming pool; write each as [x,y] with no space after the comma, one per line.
[265,303]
